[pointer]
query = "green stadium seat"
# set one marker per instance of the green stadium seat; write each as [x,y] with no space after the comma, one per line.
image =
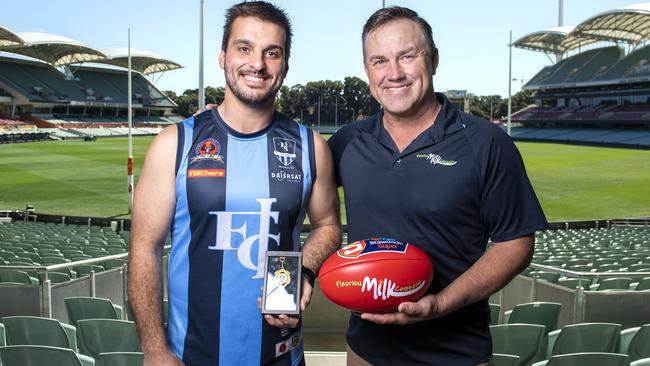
[572,283]
[627,261]
[120,359]
[3,339]
[625,338]
[79,308]
[640,344]
[42,356]
[644,284]
[551,277]
[541,313]
[641,362]
[17,276]
[31,330]
[587,337]
[56,277]
[587,359]
[615,283]
[499,359]
[495,312]
[97,336]
[522,340]
[85,269]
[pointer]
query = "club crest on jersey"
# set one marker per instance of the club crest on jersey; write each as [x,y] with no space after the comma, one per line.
[207,149]
[284,150]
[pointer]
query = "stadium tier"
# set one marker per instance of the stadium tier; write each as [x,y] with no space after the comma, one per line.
[600,80]
[535,327]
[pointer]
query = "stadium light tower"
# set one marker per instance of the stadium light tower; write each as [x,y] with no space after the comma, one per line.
[130,119]
[201,90]
[510,85]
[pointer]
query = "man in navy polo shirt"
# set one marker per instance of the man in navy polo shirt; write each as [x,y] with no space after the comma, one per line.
[423,172]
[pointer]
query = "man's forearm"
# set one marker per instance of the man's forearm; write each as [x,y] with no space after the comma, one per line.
[323,240]
[489,274]
[145,296]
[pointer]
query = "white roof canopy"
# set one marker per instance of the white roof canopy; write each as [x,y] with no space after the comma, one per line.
[143,61]
[546,41]
[629,24]
[9,38]
[54,49]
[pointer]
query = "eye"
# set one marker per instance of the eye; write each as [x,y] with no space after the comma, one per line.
[244,49]
[378,62]
[273,53]
[408,57]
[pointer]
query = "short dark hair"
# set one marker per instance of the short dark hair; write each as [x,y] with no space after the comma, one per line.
[262,10]
[384,16]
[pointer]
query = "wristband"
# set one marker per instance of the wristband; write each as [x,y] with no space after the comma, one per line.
[311,276]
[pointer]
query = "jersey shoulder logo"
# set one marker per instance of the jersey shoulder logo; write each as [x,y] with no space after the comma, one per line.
[284,150]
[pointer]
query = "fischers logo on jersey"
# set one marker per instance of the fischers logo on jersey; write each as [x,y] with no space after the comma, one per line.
[225,231]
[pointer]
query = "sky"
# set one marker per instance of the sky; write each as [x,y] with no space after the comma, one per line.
[472,36]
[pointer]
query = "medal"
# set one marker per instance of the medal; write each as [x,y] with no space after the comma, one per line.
[282,275]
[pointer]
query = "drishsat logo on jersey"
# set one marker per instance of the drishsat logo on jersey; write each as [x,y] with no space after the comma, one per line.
[284,150]
[207,149]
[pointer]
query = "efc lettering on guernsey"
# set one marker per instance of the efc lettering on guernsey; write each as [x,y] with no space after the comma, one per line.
[225,230]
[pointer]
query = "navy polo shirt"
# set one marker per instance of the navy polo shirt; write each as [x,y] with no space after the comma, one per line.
[458,184]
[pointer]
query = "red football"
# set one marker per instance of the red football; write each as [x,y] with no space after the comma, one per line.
[376,275]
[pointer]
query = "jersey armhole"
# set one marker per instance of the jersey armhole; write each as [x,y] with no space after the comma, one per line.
[312,155]
[180,129]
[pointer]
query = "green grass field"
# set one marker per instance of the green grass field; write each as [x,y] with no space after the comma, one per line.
[89,178]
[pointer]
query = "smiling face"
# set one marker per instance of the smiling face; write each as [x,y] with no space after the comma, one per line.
[400,67]
[254,62]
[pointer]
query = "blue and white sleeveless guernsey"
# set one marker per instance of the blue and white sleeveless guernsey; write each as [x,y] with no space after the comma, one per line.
[237,196]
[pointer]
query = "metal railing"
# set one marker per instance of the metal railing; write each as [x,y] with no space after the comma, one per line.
[578,308]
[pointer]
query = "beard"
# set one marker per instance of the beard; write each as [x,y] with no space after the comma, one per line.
[248,96]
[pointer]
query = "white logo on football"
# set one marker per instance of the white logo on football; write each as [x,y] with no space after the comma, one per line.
[225,230]
[386,289]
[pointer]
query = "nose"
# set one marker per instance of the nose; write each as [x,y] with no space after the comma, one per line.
[395,71]
[257,61]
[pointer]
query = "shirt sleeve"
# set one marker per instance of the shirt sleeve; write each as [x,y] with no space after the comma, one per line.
[509,206]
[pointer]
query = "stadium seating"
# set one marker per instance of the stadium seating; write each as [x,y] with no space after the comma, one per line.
[585,337]
[495,312]
[30,330]
[639,346]
[42,356]
[522,340]
[80,308]
[97,336]
[540,313]
[586,358]
[633,65]
[120,359]
[499,359]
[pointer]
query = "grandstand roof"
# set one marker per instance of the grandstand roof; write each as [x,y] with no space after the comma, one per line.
[630,24]
[54,49]
[9,38]
[143,61]
[547,40]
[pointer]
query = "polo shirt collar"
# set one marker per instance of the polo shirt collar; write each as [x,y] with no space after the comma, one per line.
[446,122]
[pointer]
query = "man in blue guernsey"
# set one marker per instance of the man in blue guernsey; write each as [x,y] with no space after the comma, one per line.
[231,184]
